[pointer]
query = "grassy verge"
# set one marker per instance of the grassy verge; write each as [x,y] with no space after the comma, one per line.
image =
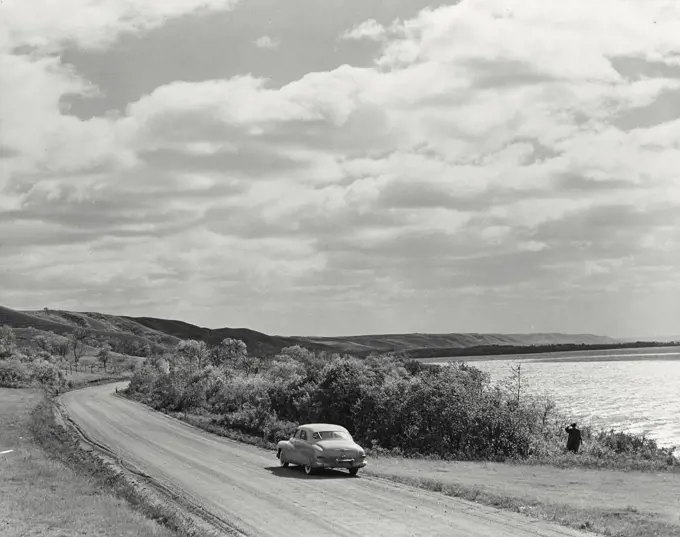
[54,492]
[49,486]
[610,502]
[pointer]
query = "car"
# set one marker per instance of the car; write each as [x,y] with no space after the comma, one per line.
[321,446]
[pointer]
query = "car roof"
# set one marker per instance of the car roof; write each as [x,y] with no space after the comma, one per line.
[316,427]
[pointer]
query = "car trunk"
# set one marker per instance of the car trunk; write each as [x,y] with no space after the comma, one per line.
[339,449]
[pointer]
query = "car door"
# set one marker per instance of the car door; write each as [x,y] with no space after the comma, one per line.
[293,454]
[303,447]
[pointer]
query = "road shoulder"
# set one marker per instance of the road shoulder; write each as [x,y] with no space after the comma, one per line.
[48,487]
[609,502]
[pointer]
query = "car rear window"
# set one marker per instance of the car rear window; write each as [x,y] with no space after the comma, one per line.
[328,435]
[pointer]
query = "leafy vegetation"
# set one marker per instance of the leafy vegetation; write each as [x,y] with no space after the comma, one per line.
[55,362]
[392,405]
[20,368]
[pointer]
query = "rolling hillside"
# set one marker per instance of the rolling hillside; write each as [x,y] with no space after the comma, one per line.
[257,342]
[28,324]
[452,341]
[136,331]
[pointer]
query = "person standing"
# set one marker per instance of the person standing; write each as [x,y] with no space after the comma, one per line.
[574,441]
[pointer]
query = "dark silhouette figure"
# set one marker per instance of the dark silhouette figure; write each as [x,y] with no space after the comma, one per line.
[574,442]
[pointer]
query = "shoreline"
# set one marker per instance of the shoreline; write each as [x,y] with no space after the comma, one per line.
[588,417]
[495,352]
[673,354]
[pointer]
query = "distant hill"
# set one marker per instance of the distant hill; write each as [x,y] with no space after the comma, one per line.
[662,339]
[257,342]
[123,336]
[384,343]
[132,332]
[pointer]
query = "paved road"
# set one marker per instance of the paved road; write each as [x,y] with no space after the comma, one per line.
[245,485]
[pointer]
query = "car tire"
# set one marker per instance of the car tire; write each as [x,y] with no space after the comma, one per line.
[283,461]
[309,470]
[353,471]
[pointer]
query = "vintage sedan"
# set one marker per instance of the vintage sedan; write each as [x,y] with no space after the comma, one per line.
[321,445]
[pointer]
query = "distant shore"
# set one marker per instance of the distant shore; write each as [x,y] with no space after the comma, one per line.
[565,352]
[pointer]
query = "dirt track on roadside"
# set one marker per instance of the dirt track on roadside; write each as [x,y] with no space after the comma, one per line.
[243,488]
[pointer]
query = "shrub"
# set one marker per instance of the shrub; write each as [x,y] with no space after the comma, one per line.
[19,372]
[47,374]
[13,374]
[390,403]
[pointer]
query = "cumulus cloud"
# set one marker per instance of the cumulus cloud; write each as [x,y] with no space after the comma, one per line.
[34,80]
[370,29]
[49,25]
[491,157]
[267,42]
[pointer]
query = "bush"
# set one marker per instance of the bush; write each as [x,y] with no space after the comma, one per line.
[47,374]
[390,403]
[14,374]
[19,372]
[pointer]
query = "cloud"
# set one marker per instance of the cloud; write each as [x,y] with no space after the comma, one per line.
[267,42]
[492,154]
[36,127]
[98,23]
[369,29]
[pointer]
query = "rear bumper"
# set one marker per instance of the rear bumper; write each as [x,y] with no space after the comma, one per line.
[336,464]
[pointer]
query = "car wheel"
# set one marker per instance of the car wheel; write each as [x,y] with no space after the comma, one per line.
[353,471]
[308,469]
[283,461]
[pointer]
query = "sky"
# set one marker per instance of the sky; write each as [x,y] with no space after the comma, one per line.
[337,167]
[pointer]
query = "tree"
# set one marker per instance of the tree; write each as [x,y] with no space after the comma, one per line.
[104,355]
[7,342]
[77,344]
[43,343]
[194,353]
[7,336]
[514,383]
[229,350]
[61,347]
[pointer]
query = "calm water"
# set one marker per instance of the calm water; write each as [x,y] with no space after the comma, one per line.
[634,390]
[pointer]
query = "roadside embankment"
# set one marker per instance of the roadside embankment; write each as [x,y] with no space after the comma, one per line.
[51,484]
[49,487]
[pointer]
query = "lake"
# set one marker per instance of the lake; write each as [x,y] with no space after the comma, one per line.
[633,390]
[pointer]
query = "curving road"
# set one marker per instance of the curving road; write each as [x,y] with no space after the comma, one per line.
[244,485]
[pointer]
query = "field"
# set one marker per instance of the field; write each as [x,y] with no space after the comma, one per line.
[40,497]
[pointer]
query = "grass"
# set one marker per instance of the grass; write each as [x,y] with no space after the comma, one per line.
[49,486]
[615,503]
[609,502]
[42,496]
